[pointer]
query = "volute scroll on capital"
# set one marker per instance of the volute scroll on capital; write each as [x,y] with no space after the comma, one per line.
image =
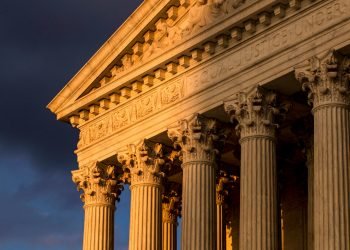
[143,163]
[256,112]
[198,138]
[326,79]
[99,182]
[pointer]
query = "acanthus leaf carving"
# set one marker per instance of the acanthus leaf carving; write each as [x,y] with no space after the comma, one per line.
[143,163]
[325,79]
[224,184]
[171,202]
[98,182]
[197,137]
[256,112]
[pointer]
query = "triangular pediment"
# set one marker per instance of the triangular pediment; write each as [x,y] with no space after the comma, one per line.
[154,28]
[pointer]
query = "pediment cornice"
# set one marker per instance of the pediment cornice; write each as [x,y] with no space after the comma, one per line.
[119,83]
[109,51]
[108,68]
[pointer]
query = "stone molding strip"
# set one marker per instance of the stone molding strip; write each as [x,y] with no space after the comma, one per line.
[174,96]
[261,19]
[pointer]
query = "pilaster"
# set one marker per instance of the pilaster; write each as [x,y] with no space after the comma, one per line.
[326,79]
[196,138]
[100,191]
[255,113]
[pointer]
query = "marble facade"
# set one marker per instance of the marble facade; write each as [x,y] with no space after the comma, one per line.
[231,114]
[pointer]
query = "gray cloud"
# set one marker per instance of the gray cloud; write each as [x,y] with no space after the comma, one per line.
[43,44]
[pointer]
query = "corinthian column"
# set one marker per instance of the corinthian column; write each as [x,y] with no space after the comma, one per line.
[144,163]
[223,187]
[327,81]
[255,113]
[100,191]
[310,200]
[195,137]
[221,193]
[171,210]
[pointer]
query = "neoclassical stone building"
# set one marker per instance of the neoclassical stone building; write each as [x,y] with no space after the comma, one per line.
[231,114]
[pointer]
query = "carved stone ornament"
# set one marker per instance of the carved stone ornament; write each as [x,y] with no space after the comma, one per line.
[225,183]
[171,205]
[98,183]
[204,12]
[201,14]
[255,111]
[326,79]
[196,137]
[143,163]
[127,115]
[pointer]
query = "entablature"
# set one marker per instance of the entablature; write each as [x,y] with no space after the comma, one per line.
[228,30]
[200,85]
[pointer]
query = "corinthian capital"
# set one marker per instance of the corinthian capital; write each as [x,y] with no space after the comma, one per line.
[171,203]
[326,79]
[196,137]
[224,184]
[143,163]
[255,111]
[98,183]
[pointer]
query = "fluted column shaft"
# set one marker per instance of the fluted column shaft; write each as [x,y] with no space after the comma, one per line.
[326,79]
[221,227]
[258,218]
[169,227]
[331,176]
[100,189]
[199,214]
[98,227]
[255,113]
[196,138]
[169,236]
[145,217]
[310,200]
[144,163]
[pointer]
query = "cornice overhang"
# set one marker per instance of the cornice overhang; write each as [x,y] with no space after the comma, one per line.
[69,102]
[252,19]
[115,45]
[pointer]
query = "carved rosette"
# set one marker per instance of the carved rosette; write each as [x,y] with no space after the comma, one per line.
[143,163]
[326,79]
[196,137]
[98,183]
[171,207]
[255,112]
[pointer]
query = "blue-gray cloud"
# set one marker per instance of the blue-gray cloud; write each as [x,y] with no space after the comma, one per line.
[43,44]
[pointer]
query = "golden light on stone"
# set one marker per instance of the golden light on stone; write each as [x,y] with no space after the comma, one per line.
[115,98]
[137,86]
[264,18]
[84,114]
[187,102]
[236,33]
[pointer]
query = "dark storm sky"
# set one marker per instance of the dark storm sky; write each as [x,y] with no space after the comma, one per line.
[43,43]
